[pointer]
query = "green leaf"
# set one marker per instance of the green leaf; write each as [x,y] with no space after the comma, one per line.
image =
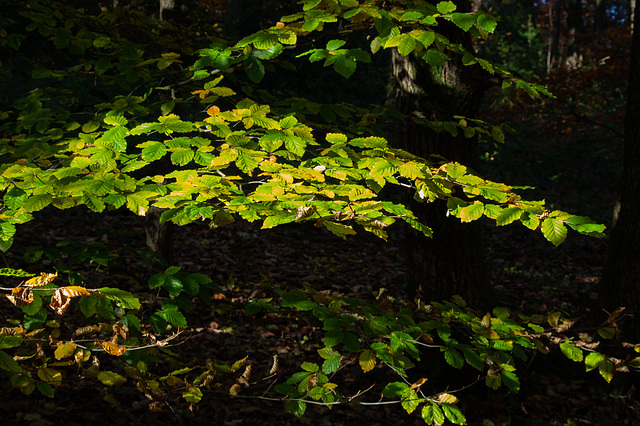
[508,215]
[572,352]
[46,389]
[333,337]
[7,341]
[607,332]
[154,152]
[487,22]
[453,357]
[297,408]
[344,65]
[606,369]
[173,316]
[409,400]
[122,297]
[331,365]
[593,360]
[110,378]
[554,230]
[335,44]
[158,323]
[511,380]
[473,359]
[182,156]
[435,57]
[173,285]
[246,163]
[37,202]
[254,69]
[252,308]
[193,395]
[472,212]
[310,367]
[432,414]
[446,7]
[8,363]
[493,381]
[394,389]
[463,20]
[339,229]
[454,414]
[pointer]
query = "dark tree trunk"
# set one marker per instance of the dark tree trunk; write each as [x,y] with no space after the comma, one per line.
[575,26]
[159,236]
[600,20]
[620,284]
[454,260]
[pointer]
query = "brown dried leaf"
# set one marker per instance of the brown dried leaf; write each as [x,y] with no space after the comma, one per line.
[419,383]
[62,297]
[82,355]
[156,406]
[21,296]
[113,348]
[274,367]
[121,330]
[235,389]
[41,280]
[91,329]
[304,212]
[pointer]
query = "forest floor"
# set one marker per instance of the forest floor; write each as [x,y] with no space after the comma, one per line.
[247,263]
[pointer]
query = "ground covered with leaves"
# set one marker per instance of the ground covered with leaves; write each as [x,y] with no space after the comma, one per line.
[248,264]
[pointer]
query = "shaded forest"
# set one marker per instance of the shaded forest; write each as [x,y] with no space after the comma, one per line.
[319,212]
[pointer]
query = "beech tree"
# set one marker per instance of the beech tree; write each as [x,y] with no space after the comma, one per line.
[619,286]
[437,91]
[92,127]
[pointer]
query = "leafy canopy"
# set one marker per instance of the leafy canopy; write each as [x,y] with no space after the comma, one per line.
[132,123]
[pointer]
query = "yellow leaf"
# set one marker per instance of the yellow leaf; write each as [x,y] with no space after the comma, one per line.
[41,280]
[367,360]
[65,350]
[419,383]
[113,348]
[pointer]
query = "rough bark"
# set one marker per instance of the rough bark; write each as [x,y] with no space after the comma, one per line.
[454,260]
[620,284]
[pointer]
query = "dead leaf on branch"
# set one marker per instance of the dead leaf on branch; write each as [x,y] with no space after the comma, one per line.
[62,297]
[41,280]
[113,348]
[21,296]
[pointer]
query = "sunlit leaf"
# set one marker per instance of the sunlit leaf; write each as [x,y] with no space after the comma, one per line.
[113,348]
[62,297]
[109,378]
[65,350]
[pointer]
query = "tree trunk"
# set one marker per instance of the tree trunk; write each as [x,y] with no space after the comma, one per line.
[600,20]
[554,33]
[453,262]
[620,285]
[159,236]
[575,26]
